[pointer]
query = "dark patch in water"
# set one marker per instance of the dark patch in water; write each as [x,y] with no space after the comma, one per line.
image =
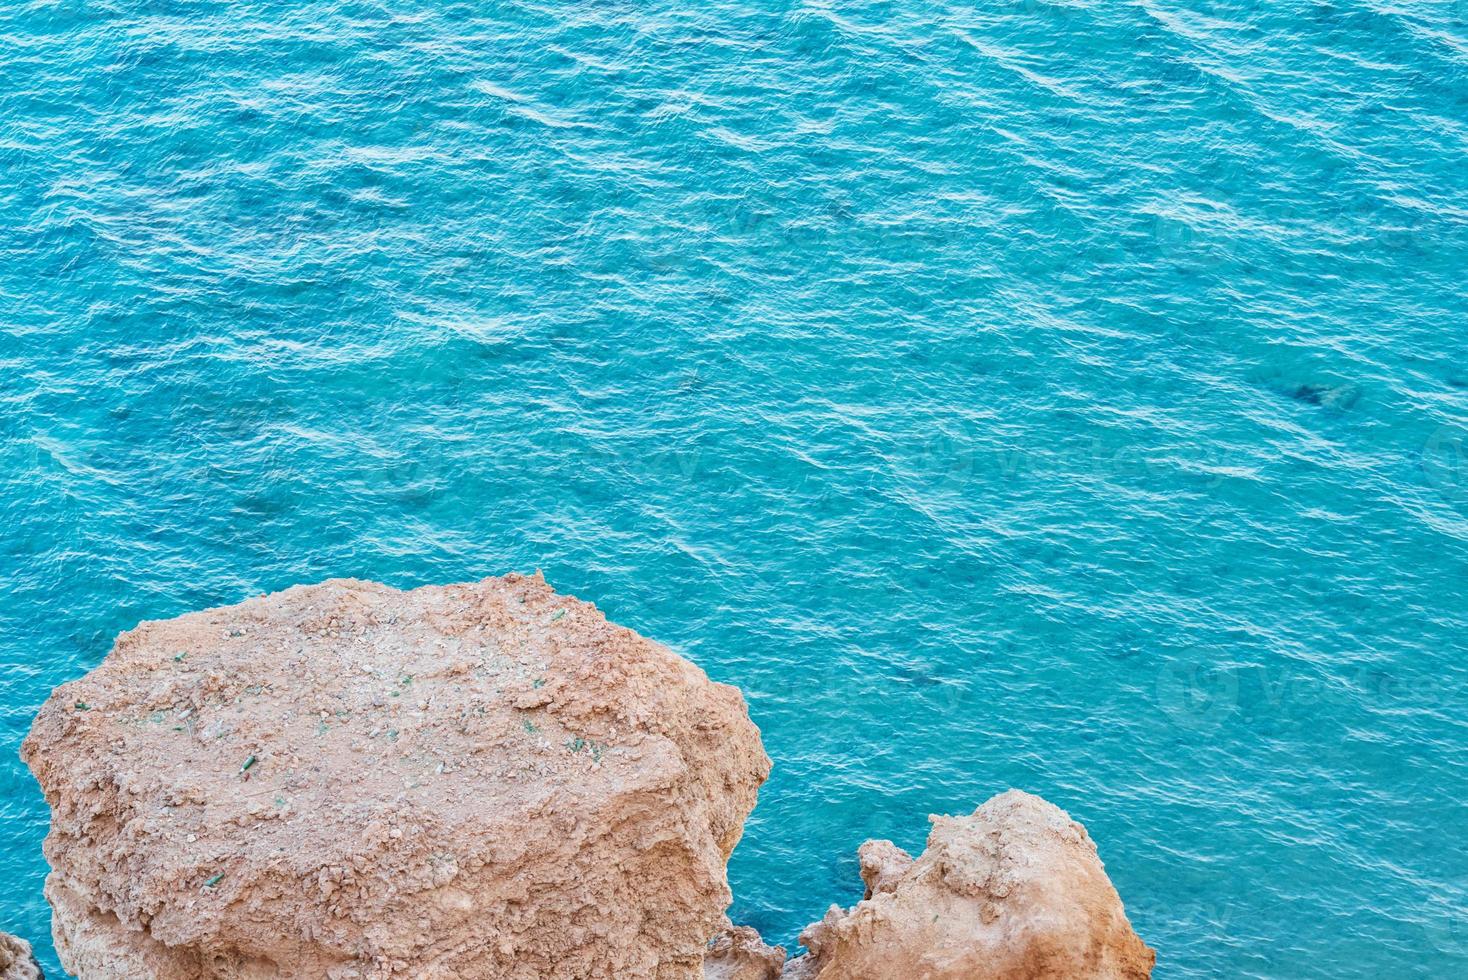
[920,677]
[1340,397]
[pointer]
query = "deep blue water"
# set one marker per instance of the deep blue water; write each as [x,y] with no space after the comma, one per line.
[1063,395]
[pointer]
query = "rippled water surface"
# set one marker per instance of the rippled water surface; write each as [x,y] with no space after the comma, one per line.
[1064,395]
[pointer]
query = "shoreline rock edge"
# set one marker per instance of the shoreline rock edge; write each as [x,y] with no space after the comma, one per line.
[352,782]
[17,961]
[1014,890]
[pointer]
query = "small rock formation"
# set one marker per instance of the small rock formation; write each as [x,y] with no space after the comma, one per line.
[350,782]
[1013,892]
[738,953]
[16,960]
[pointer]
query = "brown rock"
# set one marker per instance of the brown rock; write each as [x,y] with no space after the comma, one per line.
[883,865]
[16,960]
[1013,892]
[738,953]
[347,781]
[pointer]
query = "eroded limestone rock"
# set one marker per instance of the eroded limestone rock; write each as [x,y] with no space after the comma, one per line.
[16,960]
[347,781]
[1014,891]
[738,953]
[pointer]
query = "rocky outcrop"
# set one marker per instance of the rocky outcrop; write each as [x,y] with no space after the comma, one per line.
[1014,891]
[16,959]
[738,953]
[348,781]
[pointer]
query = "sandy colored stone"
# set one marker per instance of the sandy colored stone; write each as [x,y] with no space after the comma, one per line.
[1014,891]
[883,865]
[738,953]
[348,781]
[16,960]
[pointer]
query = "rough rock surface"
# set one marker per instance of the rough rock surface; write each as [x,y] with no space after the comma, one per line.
[16,961]
[347,781]
[1014,891]
[738,953]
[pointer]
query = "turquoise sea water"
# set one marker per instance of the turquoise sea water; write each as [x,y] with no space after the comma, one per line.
[1063,395]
